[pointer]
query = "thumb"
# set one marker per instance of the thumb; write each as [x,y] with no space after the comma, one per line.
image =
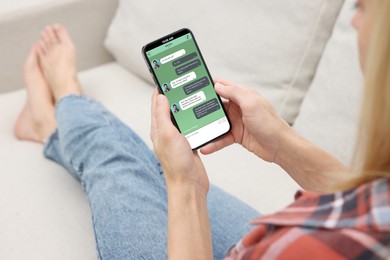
[233,93]
[163,112]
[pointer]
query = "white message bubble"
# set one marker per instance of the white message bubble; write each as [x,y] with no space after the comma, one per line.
[192,100]
[183,80]
[173,56]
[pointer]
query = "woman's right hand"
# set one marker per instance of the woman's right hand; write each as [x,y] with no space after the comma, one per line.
[255,124]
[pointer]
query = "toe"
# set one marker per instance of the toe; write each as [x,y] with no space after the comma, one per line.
[33,54]
[30,59]
[41,48]
[51,34]
[45,39]
[62,34]
[41,55]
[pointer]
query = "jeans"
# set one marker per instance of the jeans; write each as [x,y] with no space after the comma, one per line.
[125,185]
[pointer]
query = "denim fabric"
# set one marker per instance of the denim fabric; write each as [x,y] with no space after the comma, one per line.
[125,185]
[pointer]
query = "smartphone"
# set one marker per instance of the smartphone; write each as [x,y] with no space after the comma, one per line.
[180,73]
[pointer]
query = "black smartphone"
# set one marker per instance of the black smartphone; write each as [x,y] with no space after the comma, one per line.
[180,73]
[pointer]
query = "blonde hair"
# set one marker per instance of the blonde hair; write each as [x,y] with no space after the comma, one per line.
[373,149]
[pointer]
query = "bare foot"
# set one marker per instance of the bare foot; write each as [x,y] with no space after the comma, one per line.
[57,56]
[37,119]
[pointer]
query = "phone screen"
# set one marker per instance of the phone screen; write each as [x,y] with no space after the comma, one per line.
[178,68]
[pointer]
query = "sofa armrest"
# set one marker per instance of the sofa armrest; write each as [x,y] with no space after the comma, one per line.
[86,20]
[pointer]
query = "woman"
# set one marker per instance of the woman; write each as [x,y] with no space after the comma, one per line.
[133,204]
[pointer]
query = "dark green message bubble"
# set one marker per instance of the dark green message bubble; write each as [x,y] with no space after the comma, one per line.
[185,59]
[206,108]
[188,67]
[196,85]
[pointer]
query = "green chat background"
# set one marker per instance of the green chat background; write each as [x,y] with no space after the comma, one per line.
[186,120]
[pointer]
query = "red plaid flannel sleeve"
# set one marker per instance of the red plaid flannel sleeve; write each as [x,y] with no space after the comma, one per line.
[347,225]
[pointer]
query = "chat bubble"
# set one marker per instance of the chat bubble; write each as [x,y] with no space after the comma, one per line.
[185,59]
[196,85]
[188,67]
[206,108]
[192,100]
[173,56]
[183,80]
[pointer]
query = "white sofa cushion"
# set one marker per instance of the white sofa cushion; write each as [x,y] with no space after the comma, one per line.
[274,45]
[329,115]
[45,213]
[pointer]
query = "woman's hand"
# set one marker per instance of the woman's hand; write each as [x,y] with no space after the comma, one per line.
[181,165]
[189,235]
[255,125]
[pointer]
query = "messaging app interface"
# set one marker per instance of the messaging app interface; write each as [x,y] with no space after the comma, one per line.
[185,82]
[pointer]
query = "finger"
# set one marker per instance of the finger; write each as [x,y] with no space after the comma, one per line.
[161,118]
[162,113]
[217,145]
[153,117]
[224,82]
[237,94]
[226,104]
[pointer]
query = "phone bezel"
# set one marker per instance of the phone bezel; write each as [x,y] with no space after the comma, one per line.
[164,40]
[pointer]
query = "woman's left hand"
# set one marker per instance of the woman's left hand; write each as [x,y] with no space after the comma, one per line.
[182,166]
[189,235]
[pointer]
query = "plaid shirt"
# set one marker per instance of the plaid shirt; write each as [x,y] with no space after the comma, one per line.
[347,225]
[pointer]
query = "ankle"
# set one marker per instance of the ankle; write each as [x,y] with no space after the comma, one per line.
[44,125]
[44,131]
[72,87]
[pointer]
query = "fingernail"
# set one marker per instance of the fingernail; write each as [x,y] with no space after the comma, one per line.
[218,86]
[160,99]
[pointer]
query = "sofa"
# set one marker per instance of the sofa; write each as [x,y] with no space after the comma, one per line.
[301,55]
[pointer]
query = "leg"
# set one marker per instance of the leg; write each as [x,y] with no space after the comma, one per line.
[229,220]
[108,158]
[125,185]
[120,176]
